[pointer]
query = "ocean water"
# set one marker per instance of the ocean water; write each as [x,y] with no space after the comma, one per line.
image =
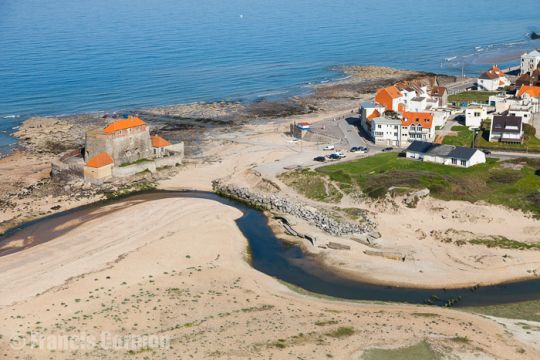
[65,56]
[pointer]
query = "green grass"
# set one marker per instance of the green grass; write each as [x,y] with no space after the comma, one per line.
[471,96]
[526,310]
[341,332]
[504,243]
[490,182]
[420,351]
[135,162]
[312,185]
[123,192]
[464,137]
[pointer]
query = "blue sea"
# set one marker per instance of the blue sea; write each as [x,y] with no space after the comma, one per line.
[68,56]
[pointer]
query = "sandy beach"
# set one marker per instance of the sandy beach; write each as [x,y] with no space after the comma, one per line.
[150,273]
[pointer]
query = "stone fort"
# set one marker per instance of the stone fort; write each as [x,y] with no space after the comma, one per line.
[125,147]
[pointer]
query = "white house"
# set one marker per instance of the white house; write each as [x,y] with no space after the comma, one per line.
[530,95]
[390,98]
[417,126]
[386,131]
[474,115]
[440,116]
[530,61]
[368,112]
[506,128]
[445,154]
[417,104]
[492,80]
[440,94]
[522,111]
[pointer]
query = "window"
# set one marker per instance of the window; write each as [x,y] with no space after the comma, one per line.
[379,126]
[463,163]
[454,161]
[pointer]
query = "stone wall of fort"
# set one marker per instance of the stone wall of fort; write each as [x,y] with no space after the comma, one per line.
[124,146]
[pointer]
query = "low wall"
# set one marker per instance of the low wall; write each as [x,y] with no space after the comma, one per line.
[169,161]
[59,168]
[123,171]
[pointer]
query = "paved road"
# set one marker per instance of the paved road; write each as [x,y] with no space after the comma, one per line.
[460,85]
[503,155]
[350,130]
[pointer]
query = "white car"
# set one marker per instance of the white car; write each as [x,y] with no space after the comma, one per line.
[329,147]
[338,154]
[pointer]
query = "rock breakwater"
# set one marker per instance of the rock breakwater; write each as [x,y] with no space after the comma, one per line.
[280,204]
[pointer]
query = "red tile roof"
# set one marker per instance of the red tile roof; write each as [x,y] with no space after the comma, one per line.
[493,73]
[374,115]
[532,91]
[123,124]
[100,160]
[394,92]
[385,96]
[422,118]
[159,142]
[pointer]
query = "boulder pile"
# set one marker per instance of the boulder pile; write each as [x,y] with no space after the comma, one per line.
[283,205]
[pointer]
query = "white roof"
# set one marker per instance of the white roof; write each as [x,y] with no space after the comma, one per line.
[387,121]
[534,53]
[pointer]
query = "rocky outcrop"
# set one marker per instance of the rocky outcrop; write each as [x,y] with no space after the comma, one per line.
[50,135]
[412,199]
[288,206]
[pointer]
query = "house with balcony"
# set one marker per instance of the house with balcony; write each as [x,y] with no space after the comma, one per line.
[386,131]
[417,126]
[530,62]
[506,128]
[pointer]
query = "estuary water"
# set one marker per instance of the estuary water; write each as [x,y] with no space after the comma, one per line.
[66,56]
[284,262]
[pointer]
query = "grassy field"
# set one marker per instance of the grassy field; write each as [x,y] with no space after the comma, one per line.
[504,243]
[311,185]
[420,351]
[491,182]
[526,310]
[464,137]
[481,97]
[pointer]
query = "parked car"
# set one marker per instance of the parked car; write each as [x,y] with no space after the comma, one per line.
[339,154]
[363,149]
[386,149]
[334,156]
[354,149]
[487,152]
[329,147]
[319,159]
